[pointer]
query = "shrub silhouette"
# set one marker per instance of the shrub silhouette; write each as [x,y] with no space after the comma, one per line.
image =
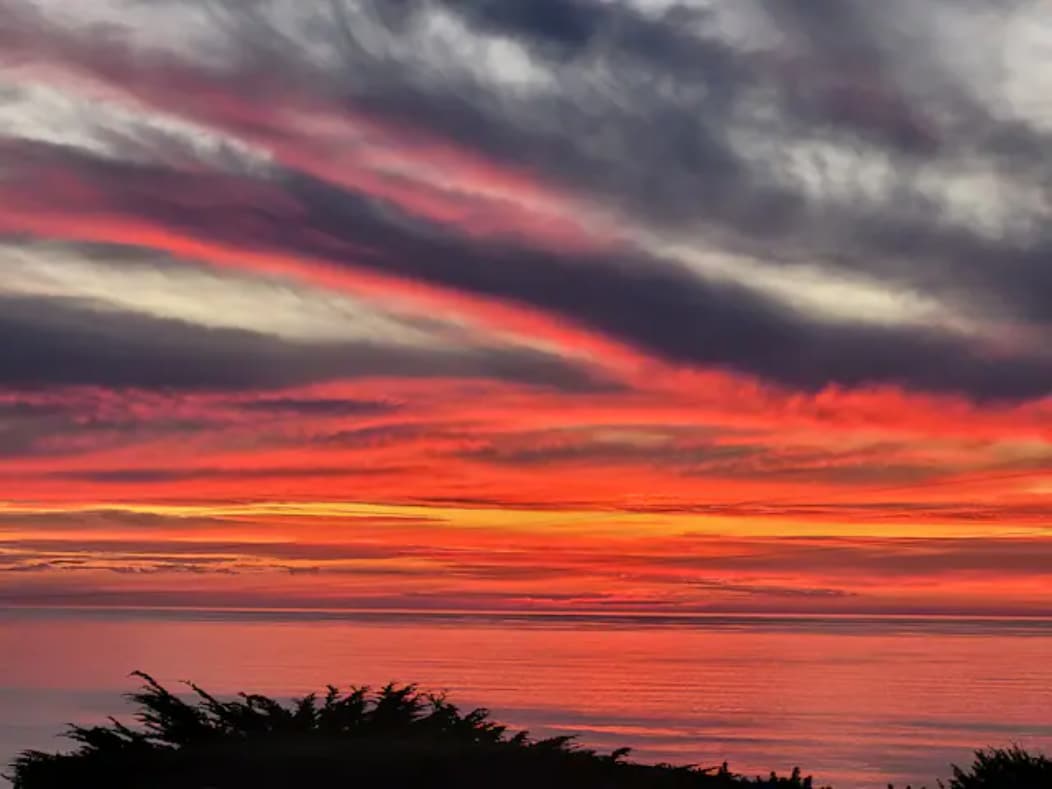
[1004,768]
[393,737]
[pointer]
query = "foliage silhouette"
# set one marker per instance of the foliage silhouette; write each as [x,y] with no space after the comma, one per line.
[1004,768]
[396,736]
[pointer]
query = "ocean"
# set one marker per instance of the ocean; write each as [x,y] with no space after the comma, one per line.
[855,701]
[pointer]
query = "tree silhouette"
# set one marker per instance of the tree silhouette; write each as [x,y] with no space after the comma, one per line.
[395,736]
[1004,768]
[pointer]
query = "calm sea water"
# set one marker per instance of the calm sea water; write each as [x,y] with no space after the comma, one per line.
[858,702]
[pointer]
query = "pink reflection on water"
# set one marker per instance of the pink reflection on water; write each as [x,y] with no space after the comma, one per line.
[856,703]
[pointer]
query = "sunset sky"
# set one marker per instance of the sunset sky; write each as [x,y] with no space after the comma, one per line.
[527,305]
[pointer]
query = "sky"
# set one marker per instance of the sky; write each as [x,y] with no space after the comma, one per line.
[527,305]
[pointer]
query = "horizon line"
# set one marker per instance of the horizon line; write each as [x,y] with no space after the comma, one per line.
[542,613]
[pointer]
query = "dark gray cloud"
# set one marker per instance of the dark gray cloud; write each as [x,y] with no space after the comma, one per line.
[664,141]
[568,24]
[663,136]
[52,428]
[53,341]
[334,407]
[162,475]
[648,302]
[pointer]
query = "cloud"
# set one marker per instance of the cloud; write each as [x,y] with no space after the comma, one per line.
[772,591]
[166,475]
[61,342]
[884,558]
[653,304]
[319,407]
[685,161]
[355,565]
[128,550]
[601,286]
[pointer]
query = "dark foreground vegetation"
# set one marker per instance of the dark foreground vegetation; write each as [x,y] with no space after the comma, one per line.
[393,737]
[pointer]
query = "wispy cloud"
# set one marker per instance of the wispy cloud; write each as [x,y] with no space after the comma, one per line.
[723,266]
